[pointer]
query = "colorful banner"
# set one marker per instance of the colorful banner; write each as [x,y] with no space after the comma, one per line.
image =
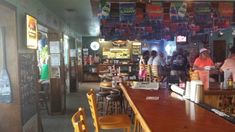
[182,10]
[202,8]
[203,14]
[173,12]
[155,11]
[127,12]
[226,9]
[106,10]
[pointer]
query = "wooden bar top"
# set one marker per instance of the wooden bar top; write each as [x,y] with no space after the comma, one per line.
[171,113]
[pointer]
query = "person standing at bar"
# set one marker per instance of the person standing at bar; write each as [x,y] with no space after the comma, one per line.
[200,65]
[146,55]
[229,63]
[153,63]
[149,66]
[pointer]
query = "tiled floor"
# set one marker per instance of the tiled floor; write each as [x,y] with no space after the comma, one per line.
[62,123]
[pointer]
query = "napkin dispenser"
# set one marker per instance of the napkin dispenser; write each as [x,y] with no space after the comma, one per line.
[145,85]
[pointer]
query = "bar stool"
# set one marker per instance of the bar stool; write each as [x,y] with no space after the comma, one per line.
[44,95]
[105,86]
[101,101]
[114,102]
[101,96]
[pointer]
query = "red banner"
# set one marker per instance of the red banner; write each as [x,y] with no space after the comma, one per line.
[226,9]
[154,11]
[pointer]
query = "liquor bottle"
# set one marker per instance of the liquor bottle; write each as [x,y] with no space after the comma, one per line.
[230,82]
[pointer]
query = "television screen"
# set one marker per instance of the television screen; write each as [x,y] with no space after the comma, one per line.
[32,32]
[180,39]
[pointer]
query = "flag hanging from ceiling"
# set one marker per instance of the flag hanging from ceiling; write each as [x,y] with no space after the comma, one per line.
[155,11]
[127,11]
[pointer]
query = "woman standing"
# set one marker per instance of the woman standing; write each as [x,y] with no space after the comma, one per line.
[229,63]
[202,65]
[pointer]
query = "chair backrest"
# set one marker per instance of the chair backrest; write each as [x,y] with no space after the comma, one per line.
[148,73]
[154,69]
[91,96]
[79,121]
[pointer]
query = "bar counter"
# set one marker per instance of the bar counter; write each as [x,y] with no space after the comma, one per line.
[220,98]
[171,113]
[214,89]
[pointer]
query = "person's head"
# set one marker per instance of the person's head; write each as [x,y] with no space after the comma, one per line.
[153,53]
[204,53]
[232,50]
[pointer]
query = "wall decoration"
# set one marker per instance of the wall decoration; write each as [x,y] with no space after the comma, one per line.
[163,20]
[32,32]
[54,47]
[105,10]
[94,45]
[55,59]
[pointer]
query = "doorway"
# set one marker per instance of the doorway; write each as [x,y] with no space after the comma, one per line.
[219,50]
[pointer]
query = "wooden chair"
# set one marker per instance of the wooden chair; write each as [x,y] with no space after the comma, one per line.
[107,122]
[79,121]
[154,71]
[148,73]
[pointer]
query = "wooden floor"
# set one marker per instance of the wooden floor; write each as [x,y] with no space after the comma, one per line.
[62,123]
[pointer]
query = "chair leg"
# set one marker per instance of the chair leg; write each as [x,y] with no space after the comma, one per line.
[127,129]
[137,126]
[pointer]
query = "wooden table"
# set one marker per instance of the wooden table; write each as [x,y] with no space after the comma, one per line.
[172,114]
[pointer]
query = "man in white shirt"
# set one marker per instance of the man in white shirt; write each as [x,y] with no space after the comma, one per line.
[154,69]
[160,63]
[153,55]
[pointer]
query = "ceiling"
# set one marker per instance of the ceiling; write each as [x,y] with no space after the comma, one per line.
[80,15]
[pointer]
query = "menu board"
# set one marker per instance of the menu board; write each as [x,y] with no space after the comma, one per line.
[116,53]
[136,48]
[28,81]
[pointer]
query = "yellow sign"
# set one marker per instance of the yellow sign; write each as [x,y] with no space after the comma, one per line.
[32,32]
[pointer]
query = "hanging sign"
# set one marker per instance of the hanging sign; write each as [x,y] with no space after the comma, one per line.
[31,32]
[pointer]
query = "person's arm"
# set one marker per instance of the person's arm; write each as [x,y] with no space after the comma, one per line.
[195,67]
[224,66]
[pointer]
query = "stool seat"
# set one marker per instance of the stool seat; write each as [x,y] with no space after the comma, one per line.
[114,91]
[105,84]
[114,104]
[113,97]
[102,93]
[101,101]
